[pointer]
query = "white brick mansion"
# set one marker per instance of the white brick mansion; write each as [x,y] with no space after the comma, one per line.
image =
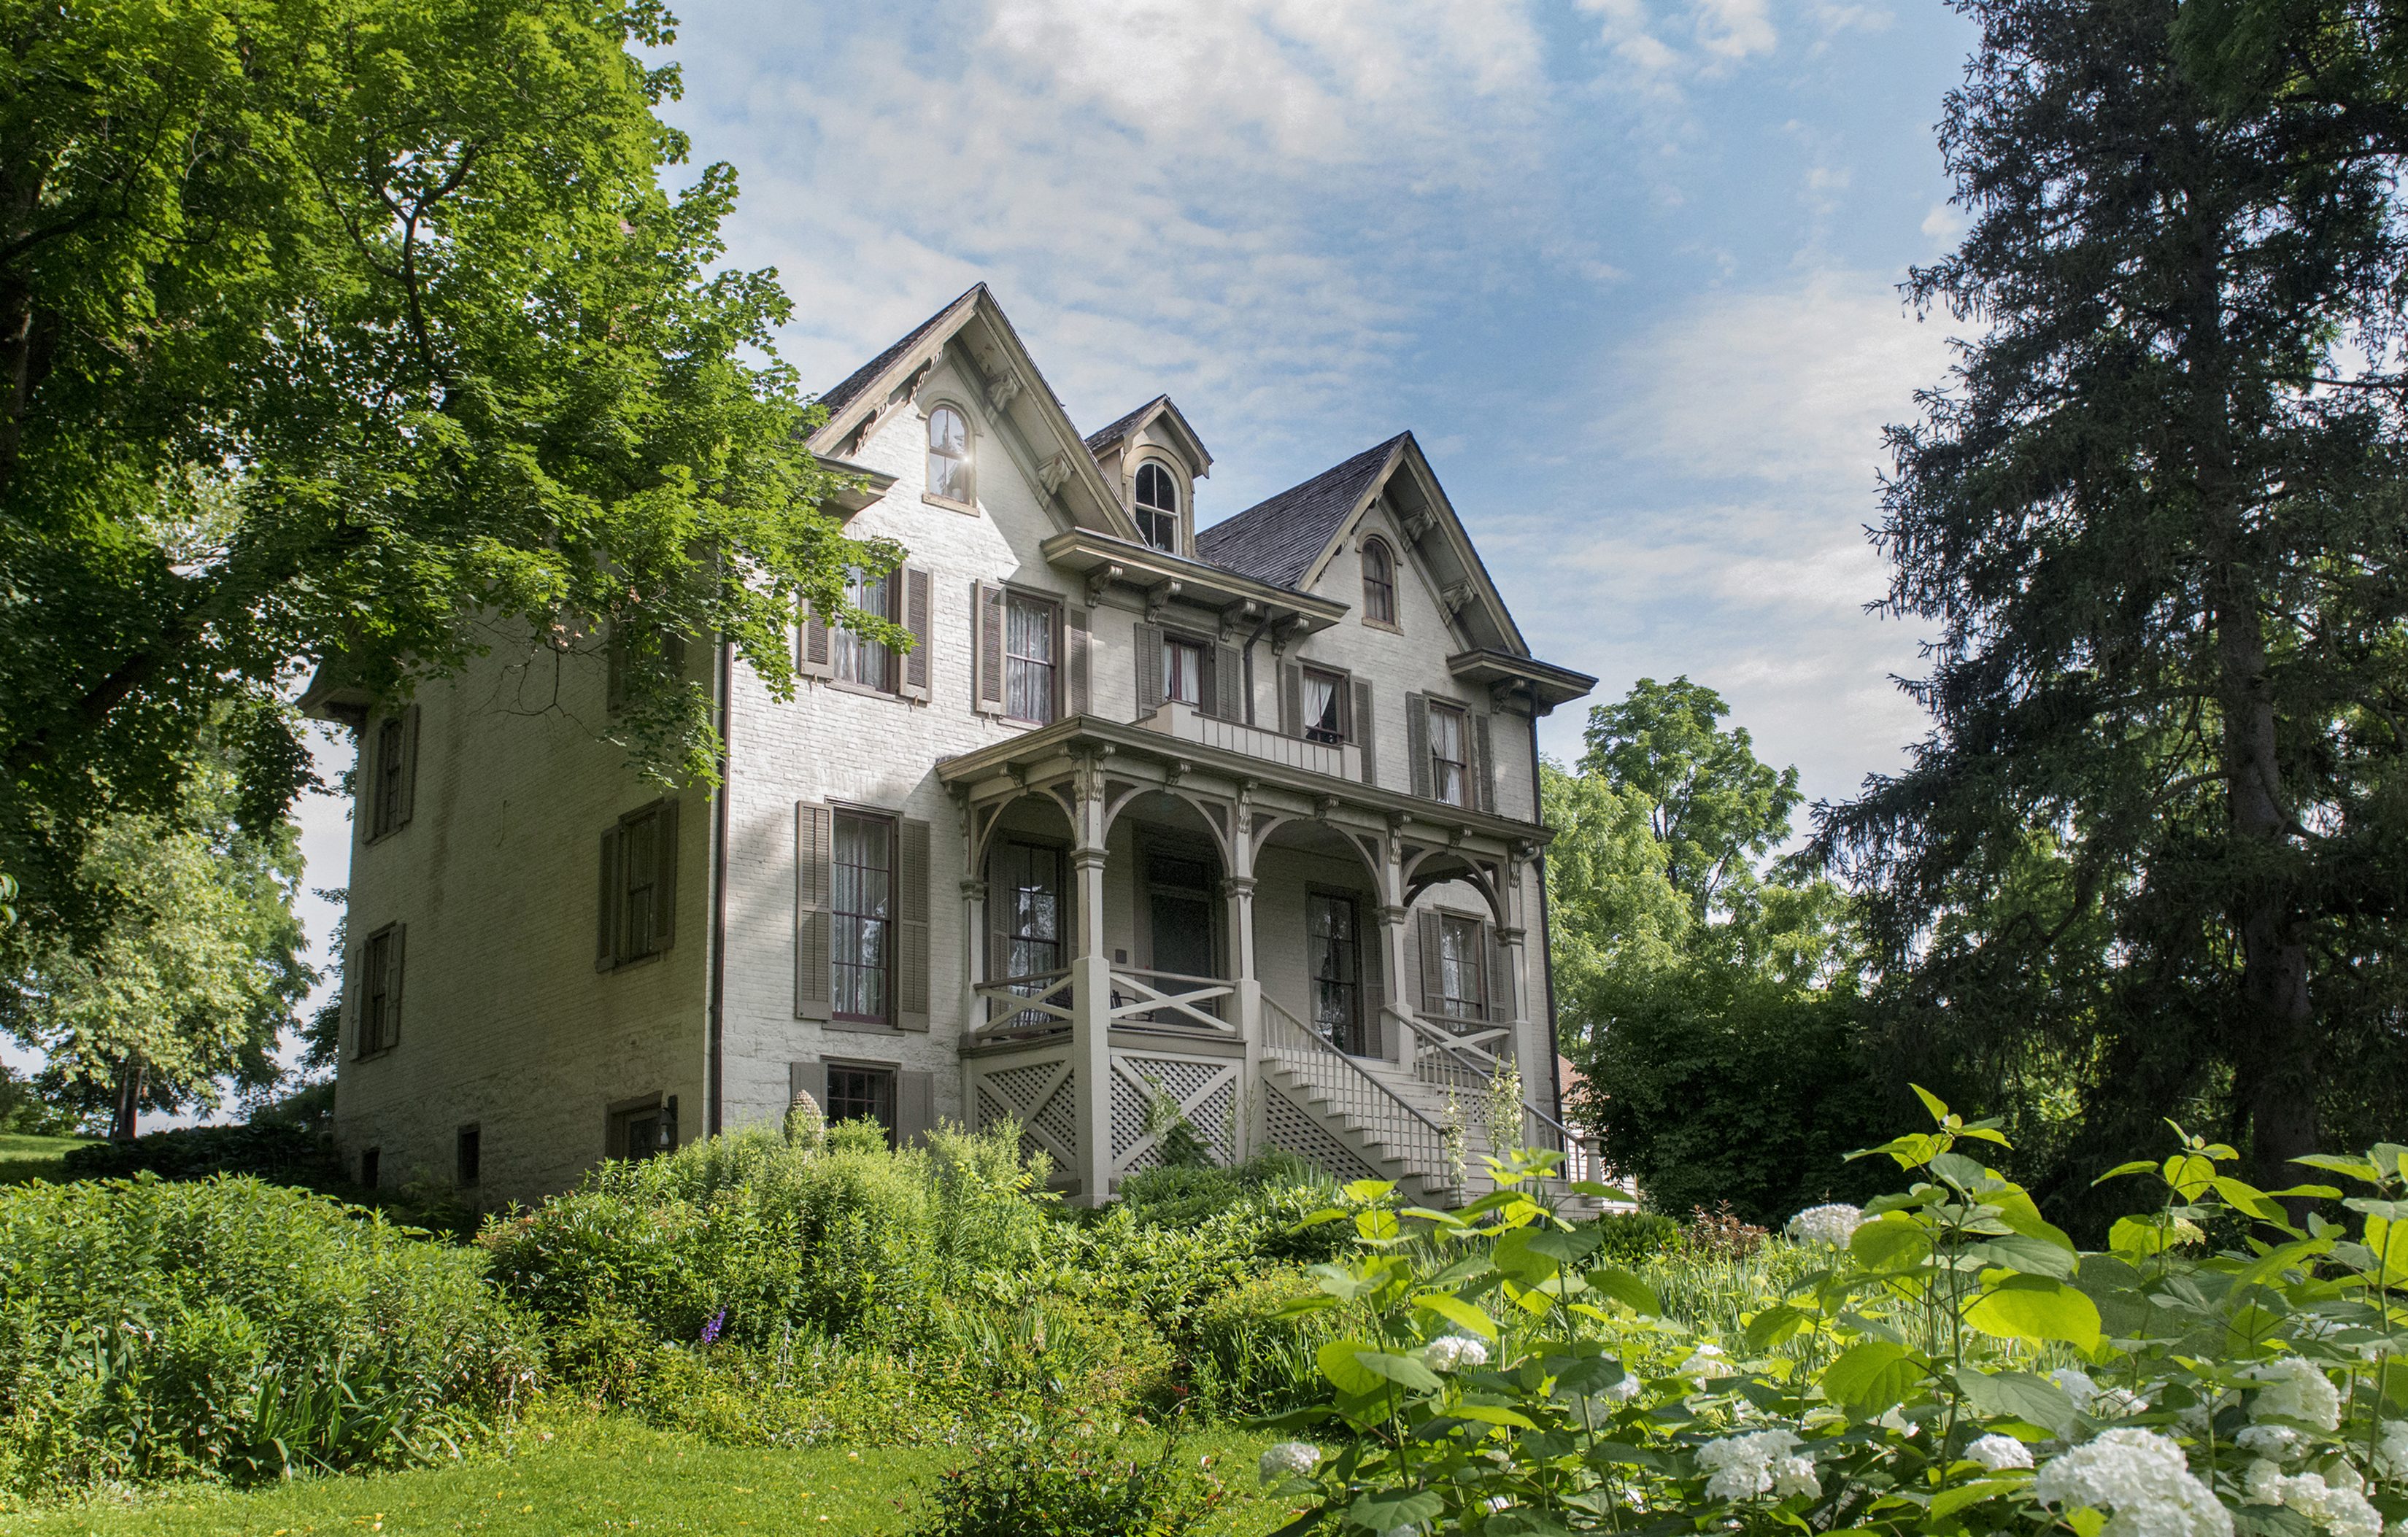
[1244,817]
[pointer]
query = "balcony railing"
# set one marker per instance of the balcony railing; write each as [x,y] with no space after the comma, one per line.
[1185,723]
[1019,1006]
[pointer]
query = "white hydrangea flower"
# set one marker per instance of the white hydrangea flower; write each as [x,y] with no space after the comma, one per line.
[1999,1453]
[1832,1225]
[1453,1352]
[2391,1452]
[1625,1390]
[2097,1401]
[1892,1419]
[2141,1477]
[1745,1466]
[2295,1388]
[2276,1440]
[1707,1357]
[1290,1459]
[2339,1508]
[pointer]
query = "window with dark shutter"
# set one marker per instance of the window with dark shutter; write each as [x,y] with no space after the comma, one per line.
[1149,648]
[814,653]
[1323,705]
[637,915]
[912,904]
[1031,666]
[380,977]
[1362,731]
[1417,757]
[814,836]
[1450,747]
[918,661]
[1228,684]
[395,773]
[861,919]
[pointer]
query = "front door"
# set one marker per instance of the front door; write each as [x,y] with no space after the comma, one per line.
[1182,903]
[1024,920]
[1337,971]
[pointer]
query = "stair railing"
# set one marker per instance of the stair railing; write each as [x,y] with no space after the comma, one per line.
[1352,1092]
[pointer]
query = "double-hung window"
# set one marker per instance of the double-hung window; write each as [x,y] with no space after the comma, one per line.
[1182,670]
[1449,763]
[1378,583]
[1157,507]
[859,660]
[861,1093]
[1029,665]
[1462,968]
[949,456]
[381,991]
[860,908]
[1324,706]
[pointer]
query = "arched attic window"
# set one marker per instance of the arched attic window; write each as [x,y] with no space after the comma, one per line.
[1379,582]
[1157,506]
[949,455]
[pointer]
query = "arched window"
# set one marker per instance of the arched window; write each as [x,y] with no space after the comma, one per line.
[1378,583]
[1157,507]
[949,455]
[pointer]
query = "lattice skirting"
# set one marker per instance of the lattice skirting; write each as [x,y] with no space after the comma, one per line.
[1204,1090]
[1289,1125]
[1043,1097]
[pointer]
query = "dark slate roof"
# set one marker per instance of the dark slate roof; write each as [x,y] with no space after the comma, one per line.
[861,378]
[1277,541]
[1098,442]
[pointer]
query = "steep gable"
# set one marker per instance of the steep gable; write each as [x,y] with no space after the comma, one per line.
[1284,539]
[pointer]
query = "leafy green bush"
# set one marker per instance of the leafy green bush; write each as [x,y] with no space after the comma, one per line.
[279,1151]
[230,1329]
[1248,1352]
[1052,1483]
[1633,1238]
[1495,1382]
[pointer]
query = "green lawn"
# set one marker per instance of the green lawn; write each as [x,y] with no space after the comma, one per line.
[26,1158]
[596,1476]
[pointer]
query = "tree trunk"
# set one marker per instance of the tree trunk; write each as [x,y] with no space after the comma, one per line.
[131,1080]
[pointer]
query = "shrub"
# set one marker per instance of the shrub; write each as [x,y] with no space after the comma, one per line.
[1050,1483]
[230,1329]
[1246,1357]
[280,1151]
[1633,1238]
[1492,1381]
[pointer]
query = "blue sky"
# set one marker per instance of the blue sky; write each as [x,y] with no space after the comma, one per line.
[1627,267]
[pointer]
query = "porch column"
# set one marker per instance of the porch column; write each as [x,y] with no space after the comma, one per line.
[973,954]
[1091,1008]
[1397,1038]
[1238,892]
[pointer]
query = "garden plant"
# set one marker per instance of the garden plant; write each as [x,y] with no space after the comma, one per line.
[1954,1365]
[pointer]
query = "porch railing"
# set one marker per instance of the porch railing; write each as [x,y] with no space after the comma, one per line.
[1024,1006]
[1192,1002]
[1458,1054]
[1354,1093]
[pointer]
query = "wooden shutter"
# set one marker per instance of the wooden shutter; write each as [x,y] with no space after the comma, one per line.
[1370,944]
[390,1036]
[1499,978]
[916,620]
[986,613]
[1484,767]
[911,905]
[1291,699]
[808,1077]
[915,1108]
[1433,958]
[1417,748]
[354,1006]
[814,658]
[1149,668]
[815,830]
[665,842]
[605,906]
[1358,729]
[406,791]
[1074,662]
[1230,673]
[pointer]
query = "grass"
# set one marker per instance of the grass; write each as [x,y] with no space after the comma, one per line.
[597,1475]
[23,1158]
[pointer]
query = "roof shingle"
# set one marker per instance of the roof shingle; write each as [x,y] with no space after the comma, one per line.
[861,378]
[1277,540]
[1098,442]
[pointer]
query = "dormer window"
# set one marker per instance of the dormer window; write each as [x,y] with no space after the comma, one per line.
[1378,583]
[949,456]
[1157,507]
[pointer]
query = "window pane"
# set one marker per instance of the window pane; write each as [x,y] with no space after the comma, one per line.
[860,909]
[1446,755]
[949,455]
[1335,1003]
[861,1094]
[857,658]
[1182,672]
[1459,967]
[1321,707]
[1028,665]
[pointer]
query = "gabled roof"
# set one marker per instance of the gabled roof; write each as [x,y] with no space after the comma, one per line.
[1013,397]
[1161,407]
[862,378]
[1279,541]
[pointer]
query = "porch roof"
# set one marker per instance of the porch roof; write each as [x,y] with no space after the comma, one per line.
[1053,751]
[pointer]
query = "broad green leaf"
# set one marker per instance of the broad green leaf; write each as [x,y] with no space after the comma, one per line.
[1514,1256]
[1932,1102]
[1869,1377]
[1958,1169]
[1389,1509]
[1363,1191]
[1602,1192]
[1773,1325]
[2085,1522]
[2248,1198]
[1403,1370]
[2030,1256]
[2031,1307]
[1455,1311]
[1566,1248]
[1628,1289]
[2143,1166]
[1893,1243]
[2141,1236]
[1302,1307]
[2021,1395]
[1340,1361]
[1949,1501]
[1489,1415]
[2189,1174]
[1590,1375]
[2016,1210]
[2355,1168]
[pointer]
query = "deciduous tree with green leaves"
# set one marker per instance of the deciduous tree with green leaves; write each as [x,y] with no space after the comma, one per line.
[362,333]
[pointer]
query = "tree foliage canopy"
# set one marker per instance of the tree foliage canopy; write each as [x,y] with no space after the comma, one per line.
[2153,848]
[360,332]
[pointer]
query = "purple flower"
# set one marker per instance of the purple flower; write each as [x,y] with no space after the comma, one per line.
[711,1330]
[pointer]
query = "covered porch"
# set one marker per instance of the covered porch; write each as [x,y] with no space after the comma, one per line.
[1187,921]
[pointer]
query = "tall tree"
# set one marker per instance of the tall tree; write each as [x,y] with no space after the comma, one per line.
[2156,525]
[361,332]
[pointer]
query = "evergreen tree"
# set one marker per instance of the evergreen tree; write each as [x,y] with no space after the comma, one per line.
[2154,843]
